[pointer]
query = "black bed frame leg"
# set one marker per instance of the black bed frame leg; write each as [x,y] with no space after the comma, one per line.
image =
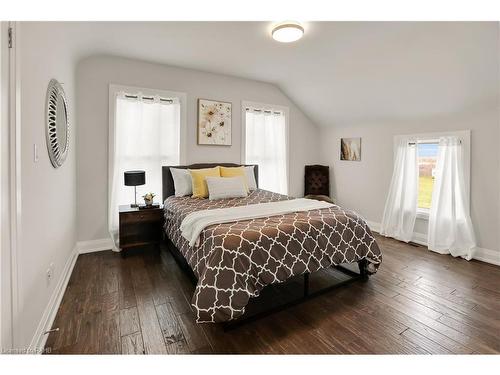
[363,272]
[306,284]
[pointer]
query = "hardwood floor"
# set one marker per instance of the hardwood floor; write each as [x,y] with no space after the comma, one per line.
[418,302]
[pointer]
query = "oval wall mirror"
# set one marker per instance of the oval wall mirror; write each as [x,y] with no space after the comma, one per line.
[57,123]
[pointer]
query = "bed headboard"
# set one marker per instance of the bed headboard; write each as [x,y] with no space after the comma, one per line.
[168,181]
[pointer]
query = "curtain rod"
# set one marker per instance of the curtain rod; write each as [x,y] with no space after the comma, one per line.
[265,111]
[148,98]
[428,143]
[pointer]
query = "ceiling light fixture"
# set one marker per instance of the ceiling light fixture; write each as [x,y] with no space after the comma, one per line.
[287,32]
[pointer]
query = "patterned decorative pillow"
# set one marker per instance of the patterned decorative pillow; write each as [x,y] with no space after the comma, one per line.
[226,187]
[183,183]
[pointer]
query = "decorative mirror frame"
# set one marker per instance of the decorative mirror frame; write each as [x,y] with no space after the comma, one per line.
[56,154]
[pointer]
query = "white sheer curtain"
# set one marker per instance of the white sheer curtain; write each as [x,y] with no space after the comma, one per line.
[450,225]
[266,146]
[146,136]
[401,206]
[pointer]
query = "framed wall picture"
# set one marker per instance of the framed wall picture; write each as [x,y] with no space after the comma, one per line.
[350,149]
[214,122]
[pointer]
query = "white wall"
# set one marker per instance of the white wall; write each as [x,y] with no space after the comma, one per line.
[363,186]
[48,208]
[94,75]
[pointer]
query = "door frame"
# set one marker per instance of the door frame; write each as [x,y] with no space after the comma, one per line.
[10,185]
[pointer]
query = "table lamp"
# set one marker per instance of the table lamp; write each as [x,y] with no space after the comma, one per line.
[135,178]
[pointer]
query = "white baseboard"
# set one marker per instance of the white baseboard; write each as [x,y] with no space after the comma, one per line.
[375,227]
[486,255]
[94,245]
[478,253]
[38,341]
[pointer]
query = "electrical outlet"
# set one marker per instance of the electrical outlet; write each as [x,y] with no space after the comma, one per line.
[50,273]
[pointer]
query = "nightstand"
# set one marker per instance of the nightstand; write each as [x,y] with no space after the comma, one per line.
[140,227]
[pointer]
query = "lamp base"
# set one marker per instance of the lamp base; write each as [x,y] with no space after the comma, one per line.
[134,205]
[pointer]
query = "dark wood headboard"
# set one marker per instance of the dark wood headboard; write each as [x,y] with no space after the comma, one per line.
[168,181]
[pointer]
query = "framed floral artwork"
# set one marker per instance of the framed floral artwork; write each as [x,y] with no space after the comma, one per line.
[214,122]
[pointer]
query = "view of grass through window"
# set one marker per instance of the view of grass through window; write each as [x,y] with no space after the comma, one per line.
[427,157]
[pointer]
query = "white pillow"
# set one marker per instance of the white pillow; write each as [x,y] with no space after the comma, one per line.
[183,184]
[226,187]
[252,184]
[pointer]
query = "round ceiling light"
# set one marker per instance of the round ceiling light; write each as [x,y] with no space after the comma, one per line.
[287,32]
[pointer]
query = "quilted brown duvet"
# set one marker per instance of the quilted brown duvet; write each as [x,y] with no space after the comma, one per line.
[235,261]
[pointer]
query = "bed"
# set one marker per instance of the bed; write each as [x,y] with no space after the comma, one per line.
[233,262]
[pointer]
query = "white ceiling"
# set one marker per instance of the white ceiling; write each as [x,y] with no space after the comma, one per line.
[338,72]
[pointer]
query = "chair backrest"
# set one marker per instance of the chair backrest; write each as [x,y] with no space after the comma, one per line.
[317,180]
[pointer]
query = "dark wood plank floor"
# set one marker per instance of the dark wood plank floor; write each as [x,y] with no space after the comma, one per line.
[418,302]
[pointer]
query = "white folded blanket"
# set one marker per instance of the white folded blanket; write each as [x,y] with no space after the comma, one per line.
[194,223]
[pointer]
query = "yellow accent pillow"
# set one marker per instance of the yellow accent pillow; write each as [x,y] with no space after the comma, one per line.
[200,188]
[235,172]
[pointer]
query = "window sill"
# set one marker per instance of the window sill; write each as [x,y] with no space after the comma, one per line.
[423,214]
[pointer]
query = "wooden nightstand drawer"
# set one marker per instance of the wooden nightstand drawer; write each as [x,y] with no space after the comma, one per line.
[142,216]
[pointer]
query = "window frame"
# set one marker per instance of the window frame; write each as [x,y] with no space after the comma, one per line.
[464,136]
[266,107]
[114,89]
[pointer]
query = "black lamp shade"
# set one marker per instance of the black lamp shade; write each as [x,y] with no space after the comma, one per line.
[135,178]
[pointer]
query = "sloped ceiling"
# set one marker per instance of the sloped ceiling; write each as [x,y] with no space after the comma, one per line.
[340,72]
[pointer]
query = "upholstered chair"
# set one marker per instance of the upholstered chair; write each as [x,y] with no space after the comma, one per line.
[317,183]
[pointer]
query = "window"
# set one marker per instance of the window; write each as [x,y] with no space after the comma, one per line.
[266,144]
[427,146]
[431,181]
[427,151]
[145,134]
